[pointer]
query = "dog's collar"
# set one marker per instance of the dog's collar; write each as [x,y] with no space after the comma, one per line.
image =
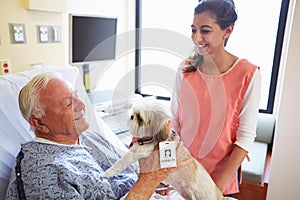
[141,141]
[145,140]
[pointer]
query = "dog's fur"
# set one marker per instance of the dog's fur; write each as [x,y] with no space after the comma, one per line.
[190,179]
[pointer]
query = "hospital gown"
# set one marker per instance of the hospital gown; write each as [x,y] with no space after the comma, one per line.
[53,171]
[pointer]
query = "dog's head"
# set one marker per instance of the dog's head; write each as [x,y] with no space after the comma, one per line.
[150,119]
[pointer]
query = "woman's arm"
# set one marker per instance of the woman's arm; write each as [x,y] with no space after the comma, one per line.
[246,131]
[234,162]
[174,100]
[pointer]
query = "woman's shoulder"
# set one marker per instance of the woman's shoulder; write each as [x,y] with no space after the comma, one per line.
[242,66]
[245,62]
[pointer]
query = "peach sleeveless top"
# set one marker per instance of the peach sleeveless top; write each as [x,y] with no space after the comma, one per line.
[208,111]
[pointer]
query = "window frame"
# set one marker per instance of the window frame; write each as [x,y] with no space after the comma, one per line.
[276,59]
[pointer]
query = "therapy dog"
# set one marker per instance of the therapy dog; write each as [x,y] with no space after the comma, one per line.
[150,124]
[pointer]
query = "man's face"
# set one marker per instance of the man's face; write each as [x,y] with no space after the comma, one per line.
[64,112]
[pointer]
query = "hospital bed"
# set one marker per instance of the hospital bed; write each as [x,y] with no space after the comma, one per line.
[15,130]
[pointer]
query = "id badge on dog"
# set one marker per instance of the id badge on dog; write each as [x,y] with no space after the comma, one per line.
[167,154]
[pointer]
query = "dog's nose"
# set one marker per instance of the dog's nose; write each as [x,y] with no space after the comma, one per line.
[131,117]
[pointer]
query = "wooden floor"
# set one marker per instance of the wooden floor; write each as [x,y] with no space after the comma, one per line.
[254,191]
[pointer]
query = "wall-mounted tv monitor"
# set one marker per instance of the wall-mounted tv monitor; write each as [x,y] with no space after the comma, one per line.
[92,38]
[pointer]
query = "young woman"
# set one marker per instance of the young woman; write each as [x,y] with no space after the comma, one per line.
[216,97]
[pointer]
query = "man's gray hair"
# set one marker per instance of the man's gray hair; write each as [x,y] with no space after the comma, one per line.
[29,96]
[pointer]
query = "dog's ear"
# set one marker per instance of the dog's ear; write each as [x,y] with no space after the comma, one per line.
[163,134]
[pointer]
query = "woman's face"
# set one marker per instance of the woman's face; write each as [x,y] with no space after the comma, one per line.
[207,34]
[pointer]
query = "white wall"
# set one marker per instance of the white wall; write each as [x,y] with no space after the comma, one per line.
[23,55]
[285,163]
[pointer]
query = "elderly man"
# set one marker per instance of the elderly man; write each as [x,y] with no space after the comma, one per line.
[63,161]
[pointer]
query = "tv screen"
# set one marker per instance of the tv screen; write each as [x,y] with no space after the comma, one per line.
[92,38]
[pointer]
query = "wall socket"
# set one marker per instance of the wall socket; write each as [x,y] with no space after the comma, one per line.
[56,35]
[5,66]
[43,34]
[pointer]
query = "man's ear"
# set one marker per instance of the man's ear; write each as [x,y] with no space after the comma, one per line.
[38,124]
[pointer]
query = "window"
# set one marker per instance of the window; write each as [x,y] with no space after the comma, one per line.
[165,42]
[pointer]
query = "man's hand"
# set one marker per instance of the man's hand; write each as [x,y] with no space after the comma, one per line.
[149,178]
